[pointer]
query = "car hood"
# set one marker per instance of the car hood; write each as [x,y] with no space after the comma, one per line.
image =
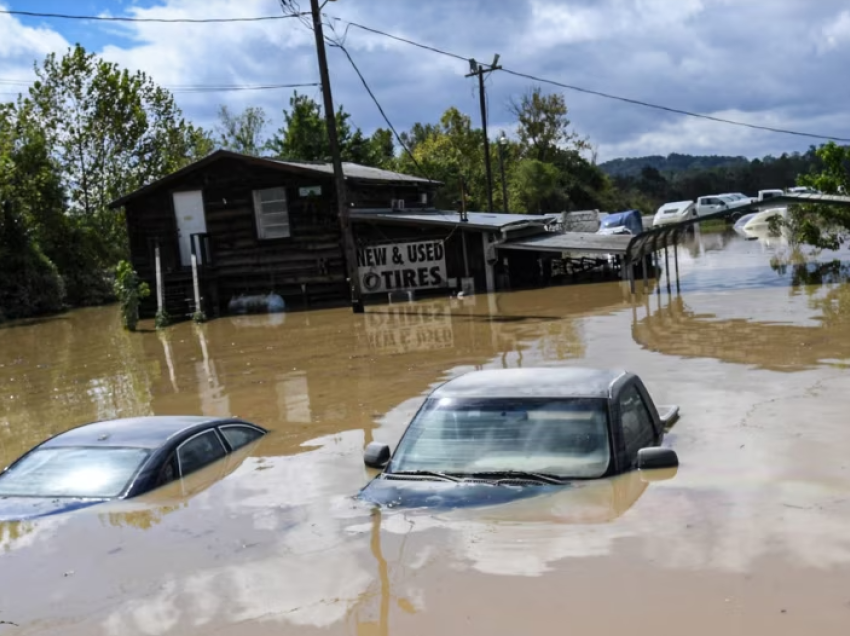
[401,493]
[24,508]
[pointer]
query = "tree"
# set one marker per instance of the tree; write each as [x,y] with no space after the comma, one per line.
[452,149]
[543,126]
[242,132]
[533,182]
[824,226]
[29,281]
[111,131]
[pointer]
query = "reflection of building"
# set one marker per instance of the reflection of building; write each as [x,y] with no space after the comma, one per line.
[320,373]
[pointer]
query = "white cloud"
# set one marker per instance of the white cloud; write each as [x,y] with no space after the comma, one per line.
[836,33]
[20,47]
[697,55]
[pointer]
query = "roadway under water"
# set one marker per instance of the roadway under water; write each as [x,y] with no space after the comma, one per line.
[750,537]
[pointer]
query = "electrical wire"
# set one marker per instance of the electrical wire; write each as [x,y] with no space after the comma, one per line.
[183,89]
[106,18]
[601,94]
[342,48]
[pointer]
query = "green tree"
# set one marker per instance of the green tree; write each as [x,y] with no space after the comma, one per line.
[29,282]
[543,126]
[111,131]
[242,132]
[824,226]
[533,182]
[452,149]
[304,136]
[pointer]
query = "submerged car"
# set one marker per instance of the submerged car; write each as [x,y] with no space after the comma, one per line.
[628,222]
[117,459]
[674,212]
[491,437]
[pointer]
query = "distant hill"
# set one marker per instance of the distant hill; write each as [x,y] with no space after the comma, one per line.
[669,165]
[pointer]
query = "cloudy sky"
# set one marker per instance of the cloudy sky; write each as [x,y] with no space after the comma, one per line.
[779,63]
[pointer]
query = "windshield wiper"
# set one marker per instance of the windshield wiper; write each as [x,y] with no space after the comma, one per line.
[506,475]
[423,473]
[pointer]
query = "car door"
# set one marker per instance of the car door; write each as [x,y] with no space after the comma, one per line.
[199,451]
[637,425]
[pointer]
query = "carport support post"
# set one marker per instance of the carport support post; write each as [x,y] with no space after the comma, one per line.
[645,267]
[676,260]
[339,177]
[195,285]
[631,271]
[159,290]
[667,267]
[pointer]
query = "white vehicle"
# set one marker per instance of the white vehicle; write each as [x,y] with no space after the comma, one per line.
[764,195]
[758,223]
[674,213]
[740,196]
[718,203]
[802,190]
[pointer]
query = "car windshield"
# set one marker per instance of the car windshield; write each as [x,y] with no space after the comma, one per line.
[73,472]
[563,437]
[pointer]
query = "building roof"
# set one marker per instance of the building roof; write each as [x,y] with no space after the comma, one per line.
[575,242]
[493,221]
[353,172]
[141,432]
[542,382]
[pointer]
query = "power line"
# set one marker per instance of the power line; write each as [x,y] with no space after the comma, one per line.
[223,88]
[610,96]
[105,18]
[381,110]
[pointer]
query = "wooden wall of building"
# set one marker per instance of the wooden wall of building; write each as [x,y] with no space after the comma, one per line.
[306,267]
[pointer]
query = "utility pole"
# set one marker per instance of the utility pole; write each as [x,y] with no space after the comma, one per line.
[479,70]
[339,177]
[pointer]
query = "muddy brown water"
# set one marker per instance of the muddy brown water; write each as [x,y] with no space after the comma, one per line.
[749,537]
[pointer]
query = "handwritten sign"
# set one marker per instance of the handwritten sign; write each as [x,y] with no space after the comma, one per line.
[402,266]
[402,329]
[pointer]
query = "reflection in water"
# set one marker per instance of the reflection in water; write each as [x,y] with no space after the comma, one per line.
[274,543]
[676,329]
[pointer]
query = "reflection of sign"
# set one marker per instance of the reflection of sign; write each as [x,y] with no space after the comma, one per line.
[384,268]
[410,328]
[309,191]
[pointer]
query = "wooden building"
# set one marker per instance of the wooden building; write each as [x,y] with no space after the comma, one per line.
[257,225]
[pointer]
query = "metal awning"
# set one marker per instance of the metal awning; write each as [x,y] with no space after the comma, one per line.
[573,243]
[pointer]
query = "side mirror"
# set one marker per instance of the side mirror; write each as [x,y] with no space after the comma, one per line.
[657,457]
[376,455]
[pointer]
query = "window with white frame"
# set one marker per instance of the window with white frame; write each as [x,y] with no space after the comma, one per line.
[272,212]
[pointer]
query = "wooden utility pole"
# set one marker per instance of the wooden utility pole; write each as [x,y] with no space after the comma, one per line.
[339,176]
[480,71]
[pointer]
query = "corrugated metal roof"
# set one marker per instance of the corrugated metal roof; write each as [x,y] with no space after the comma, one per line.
[324,169]
[574,242]
[353,171]
[477,220]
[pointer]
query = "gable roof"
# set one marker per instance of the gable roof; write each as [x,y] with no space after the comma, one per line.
[352,171]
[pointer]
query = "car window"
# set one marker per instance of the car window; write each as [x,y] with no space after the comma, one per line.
[73,472]
[239,436]
[638,431]
[565,437]
[169,471]
[199,451]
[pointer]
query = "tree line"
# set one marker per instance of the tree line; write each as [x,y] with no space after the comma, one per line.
[651,181]
[89,132]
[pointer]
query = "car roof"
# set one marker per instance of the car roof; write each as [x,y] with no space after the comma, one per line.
[676,204]
[140,432]
[550,382]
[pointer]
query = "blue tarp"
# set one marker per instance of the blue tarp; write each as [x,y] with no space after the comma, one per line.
[630,220]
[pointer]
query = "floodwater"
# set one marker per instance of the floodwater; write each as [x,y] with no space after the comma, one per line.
[749,537]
